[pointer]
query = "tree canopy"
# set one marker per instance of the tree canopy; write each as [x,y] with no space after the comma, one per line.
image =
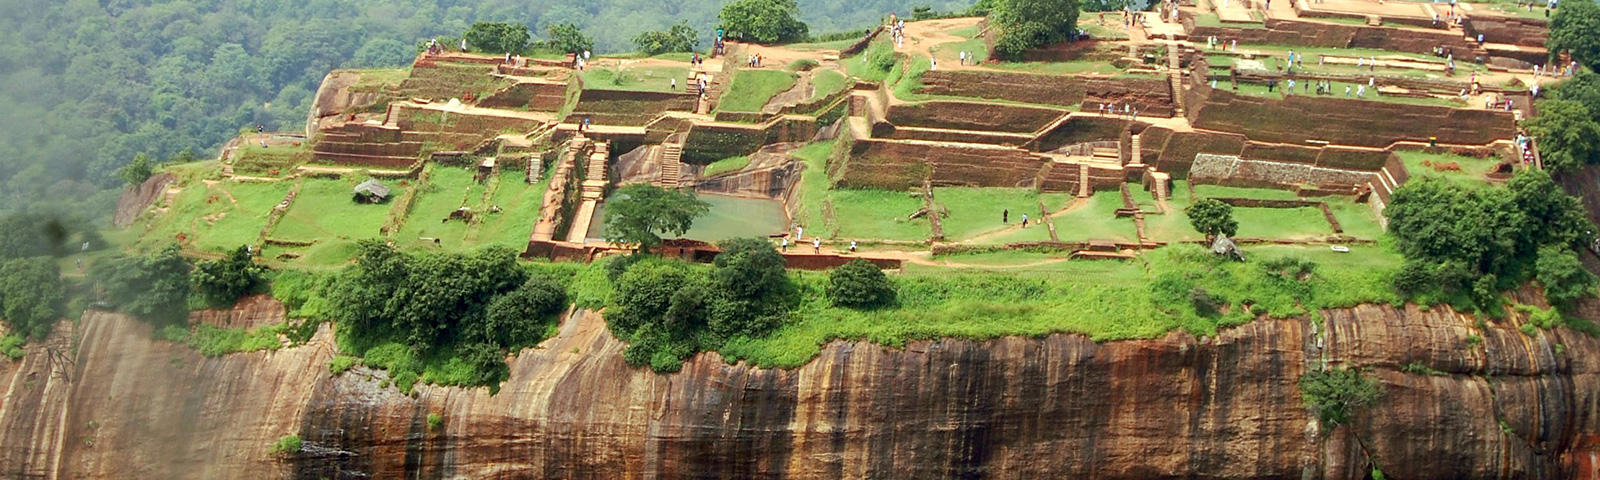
[1029,24]
[567,38]
[223,281]
[1471,243]
[154,288]
[639,213]
[763,21]
[497,37]
[680,38]
[1568,135]
[30,293]
[1573,29]
[1212,218]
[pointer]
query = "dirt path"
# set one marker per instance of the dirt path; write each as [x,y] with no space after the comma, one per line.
[1018,227]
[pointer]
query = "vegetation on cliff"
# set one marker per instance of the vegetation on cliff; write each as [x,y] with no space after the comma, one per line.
[1029,24]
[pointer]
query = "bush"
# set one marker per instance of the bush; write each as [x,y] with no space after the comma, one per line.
[802,65]
[492,37]
[1336,395]
[1204,304]
[155,289]
[763,21]
[31,293]
[435,422]
[680,38]
[342,363]
[288,444]
[11,346]
[860,284]
[518,318]
[1212,218]
[222,282]
[1563,277]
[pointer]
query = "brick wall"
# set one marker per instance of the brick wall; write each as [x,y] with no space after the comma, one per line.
[973,116]
[901,165]
[544,97]
[1297,119]
[1530,32]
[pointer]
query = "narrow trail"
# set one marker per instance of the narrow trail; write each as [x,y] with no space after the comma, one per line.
[1016,228]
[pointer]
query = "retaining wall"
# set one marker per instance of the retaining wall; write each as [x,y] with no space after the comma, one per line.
[538,96]
[1530,32]
[1298,118]
[630,108]
[1150,95]
[973,116]
[1237,172]
[1315,34]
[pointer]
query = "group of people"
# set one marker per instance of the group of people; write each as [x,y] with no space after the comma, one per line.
[580,60]
[1553,71]
[816,242]
[897,30]
[1127,110]
[754,61]
[1214,43]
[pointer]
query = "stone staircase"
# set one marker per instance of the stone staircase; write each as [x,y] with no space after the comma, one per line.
[1135,152]
[594,186]
[1083,180]
[1175,76]
[671,162]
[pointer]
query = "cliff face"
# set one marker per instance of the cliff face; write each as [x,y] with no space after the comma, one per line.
[1507,405]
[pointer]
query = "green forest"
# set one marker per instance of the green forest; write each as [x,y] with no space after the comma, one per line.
[88,85]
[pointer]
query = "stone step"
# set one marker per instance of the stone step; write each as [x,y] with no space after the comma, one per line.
[1083,180]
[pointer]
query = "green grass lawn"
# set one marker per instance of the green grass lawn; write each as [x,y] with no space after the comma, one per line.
[253,159]
[1282,223]
[876,215]
[377,78]
[1074,67]
[519,203]
[1472,170]
[1096,219]
[819,46]
[969,31]
[1105,300]
[1357,219]
[1218,191]
[752,89]
[1092,26]
[813,182]
[827,82]
[951,52]
[643,79]
[1261,90]
[975,211]
[726,165]
[448,189]
[218,217]
[324,211]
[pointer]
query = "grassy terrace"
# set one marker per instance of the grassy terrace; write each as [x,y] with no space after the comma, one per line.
[1260,90]
[1468,170]
[636,78]
[1023,293]
[752,89]
[853,214]
[253,159]
[827,82]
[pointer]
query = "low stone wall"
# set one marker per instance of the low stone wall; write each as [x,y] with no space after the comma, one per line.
[1528,32]
[1297,119]
[708,143]
[1092,50]
[1082,129]
[1152,96]
[1234,171]
[537,96]
[893,165]
[629,108]
[973,116]
[1315,34]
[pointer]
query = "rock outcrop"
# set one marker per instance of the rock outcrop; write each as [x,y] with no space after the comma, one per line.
[1460,402]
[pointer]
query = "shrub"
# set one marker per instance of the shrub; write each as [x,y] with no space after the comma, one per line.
[860,284]
[342,363]
[802,65]
[31,293]
[1563,277]
[287,444]
[680,38]
[11,346]
[1212,218]
[1335,395]
[435,422]
[155,289]
[1204,304]
[517,318]
[221,282]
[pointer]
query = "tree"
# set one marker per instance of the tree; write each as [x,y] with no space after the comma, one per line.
[859,284]
[638,212]
[1335,395]
[1568,135]
[1563,277]
[566,37]
[680,38]
[517,318]
[223,281]
[495,37]
[138,171]
[446,294]
[763,21]
[1551,216]
[756,290]
[1584,87]
[155,289]
[1029,24]
[1212,217]
[31,292]
[1572,30]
